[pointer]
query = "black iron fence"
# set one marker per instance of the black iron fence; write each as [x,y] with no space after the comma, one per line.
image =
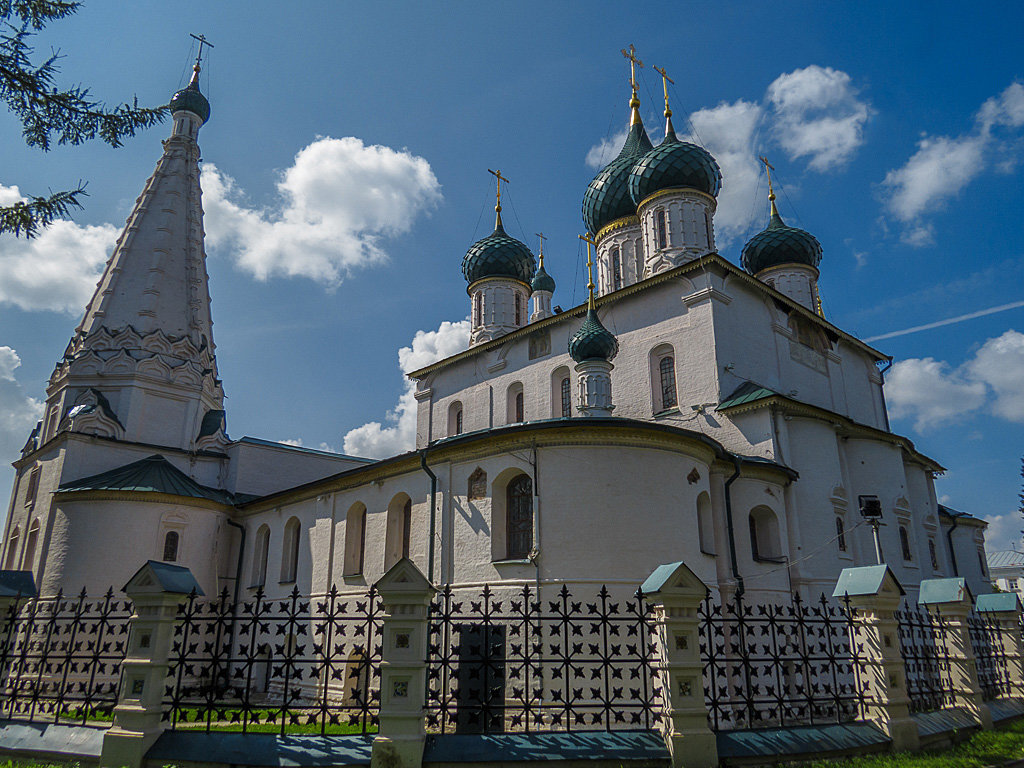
[298,664]
[775,664]
[60,658]
[923,645]
[989,639]
[507,660]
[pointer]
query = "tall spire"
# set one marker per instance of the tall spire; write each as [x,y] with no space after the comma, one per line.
[665,80]
[634,101]
[774,212]
[589,240]
[497,206]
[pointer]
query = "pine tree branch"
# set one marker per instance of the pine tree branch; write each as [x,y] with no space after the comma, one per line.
[27,217]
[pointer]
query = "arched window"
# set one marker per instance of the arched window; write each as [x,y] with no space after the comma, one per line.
[399,525]
[905,544]
[171,547]
[616,269]
[840,534]
[455,419]
[566,397]
[519,407]
[406,526]
[259,556]
[707,224]
[519,517]
[667,375]
[12,549]
[33,487]
[705,524]
[519,309]
[514,403]
[478,313]
[290,551]
[933,555]
[661,232]
[29,561]
[355,540]
[765,543]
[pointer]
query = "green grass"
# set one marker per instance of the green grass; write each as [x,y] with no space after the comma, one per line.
[983,749]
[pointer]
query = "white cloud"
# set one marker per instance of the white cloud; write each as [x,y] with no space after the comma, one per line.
[337,202]
[1003,532]
[932,392]
[296,442]
[942,166]
[9,360]
[58,269]
[398,433]
[819,115]
[18,413]
[605,151]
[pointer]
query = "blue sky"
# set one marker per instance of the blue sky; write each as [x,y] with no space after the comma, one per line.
[897,131]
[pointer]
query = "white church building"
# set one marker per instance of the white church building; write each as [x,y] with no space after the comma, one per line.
[692,410]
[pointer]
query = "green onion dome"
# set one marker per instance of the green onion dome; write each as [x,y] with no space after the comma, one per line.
[593,341]
[779,244]
[673,164]
[542,281]
[498,255]
[189,98]
[607,196]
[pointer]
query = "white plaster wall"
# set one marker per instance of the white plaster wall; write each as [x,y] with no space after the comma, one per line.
[631,259]
[689,229]
[262,469]
[798,282]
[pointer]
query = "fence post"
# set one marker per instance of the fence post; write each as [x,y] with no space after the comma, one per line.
[676,593]
[405,595]
[874,595]
[1004,608]
[951,600]
[156,591]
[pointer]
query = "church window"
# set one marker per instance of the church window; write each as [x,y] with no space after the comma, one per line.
[707,225]
[355,540]
[566,396]
[259,557]
[171,547]
[12,549]
[519,309]
[705,524]
[478,309]
[455,419]
[399,525]
[519,406]
[290,551]
[616,270]
[981,562]
[764,535]
[905,544]
[840,534]
[933,555]
[661,232]
[514,403]
[667,372]
[28,563]
[519,517]
[33,487]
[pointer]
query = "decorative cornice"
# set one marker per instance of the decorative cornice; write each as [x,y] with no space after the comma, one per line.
[143,497]
[706,294]
[675,191]
[613,226]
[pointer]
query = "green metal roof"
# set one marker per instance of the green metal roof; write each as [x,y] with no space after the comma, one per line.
[593,341]
[779,244]
[190,98]
[607,196]
[498,255]
[864,580]
[951,590]
[151,475]
[542,281]
[747,392]
[672,164]
[997,601]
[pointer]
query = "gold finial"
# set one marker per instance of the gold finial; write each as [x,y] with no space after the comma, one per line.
[665,80]
[542,239]
[497,206]
[821,312]
[634,101]
[199,58]
[590,269]
[768,168]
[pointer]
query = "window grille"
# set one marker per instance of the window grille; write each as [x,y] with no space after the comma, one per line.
[33,487]
[519,517]
[519,406]
[661,231]
[616,270]
[566,398]
[933,554]
[171,547]
[478,309]
[667,369]
[458,422]
[406,526]
[840,534]
[905,544]
[519,309]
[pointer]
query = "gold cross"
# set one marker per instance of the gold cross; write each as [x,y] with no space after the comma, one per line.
[542,239]
[590,268]
[500,178]
[768,168]
[202,41]
[634,62]
[665,80]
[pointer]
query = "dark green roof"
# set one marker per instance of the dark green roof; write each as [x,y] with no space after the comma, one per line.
[674,164]
[607,196]
[212,421]
[747,392]
[498,255]
[592,341]
[189,98]
[542,281]
[151,475]
[779,244]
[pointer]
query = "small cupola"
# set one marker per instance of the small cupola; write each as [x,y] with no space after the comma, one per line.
[786,258]
[499,270]
[543,287]
[592,348]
